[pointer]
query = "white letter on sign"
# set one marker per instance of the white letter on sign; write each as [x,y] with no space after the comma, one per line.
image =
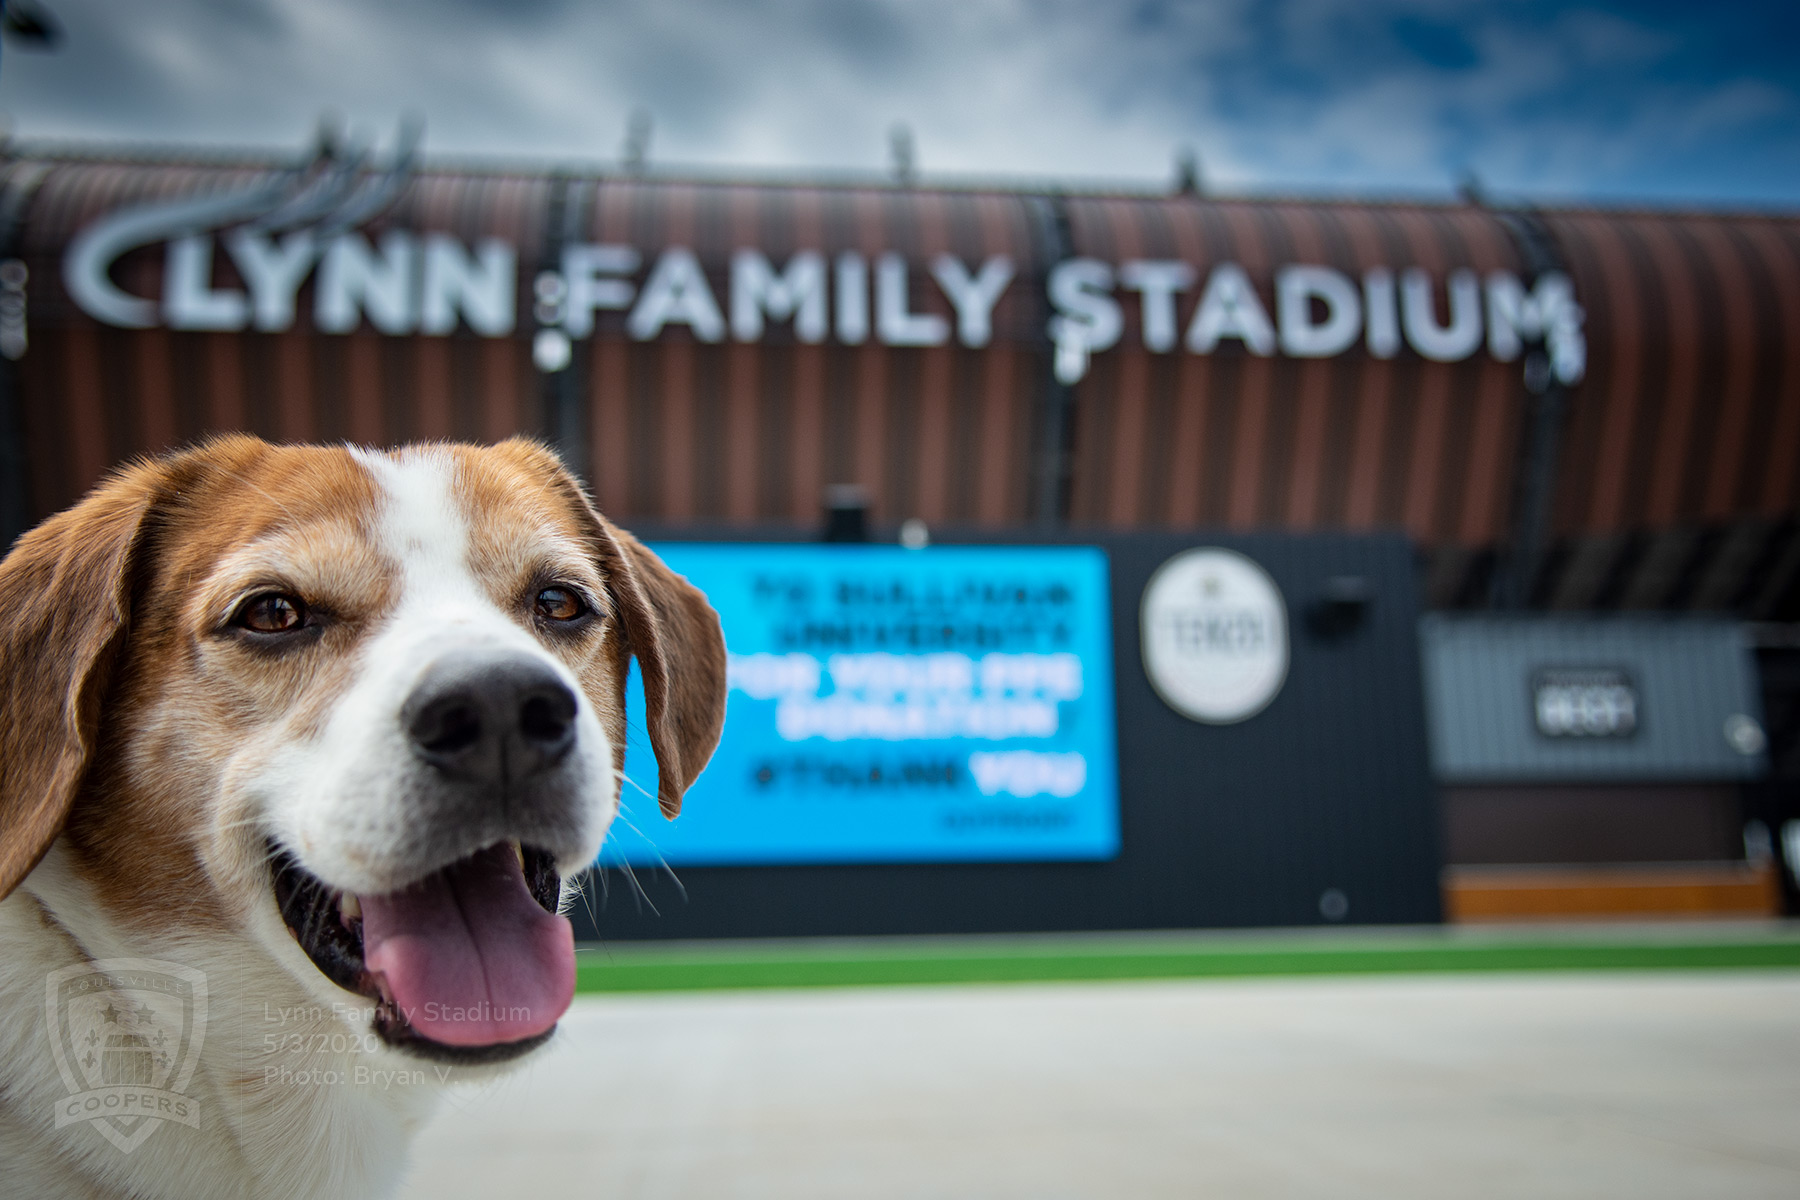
[592,275]
[274,273]
[1229,308]
[189,299]
[1418,316]
[1383,320]
[352,280]
[798,292]
[1081,288]
[852,299]
[895,323]
[1549,312]
[1295,290]
[676,291]
[973,298]
[1158,280]
[482,290]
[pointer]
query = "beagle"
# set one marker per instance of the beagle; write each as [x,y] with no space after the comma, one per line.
[301,749]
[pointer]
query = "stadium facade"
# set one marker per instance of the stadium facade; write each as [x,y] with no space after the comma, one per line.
[1568,409]
[1566,412]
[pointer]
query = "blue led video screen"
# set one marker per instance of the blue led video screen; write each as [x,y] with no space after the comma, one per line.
[892,705]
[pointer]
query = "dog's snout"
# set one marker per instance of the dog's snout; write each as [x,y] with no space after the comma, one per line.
[491,719]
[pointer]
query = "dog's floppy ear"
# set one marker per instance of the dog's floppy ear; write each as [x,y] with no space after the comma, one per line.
[64,609]
[680,650]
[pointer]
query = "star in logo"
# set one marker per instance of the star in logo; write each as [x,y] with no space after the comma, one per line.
[111,1014]
[145,1014]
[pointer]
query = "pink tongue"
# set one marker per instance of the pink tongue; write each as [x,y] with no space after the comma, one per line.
[470,958]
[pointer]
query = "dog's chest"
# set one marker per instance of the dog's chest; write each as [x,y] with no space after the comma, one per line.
[288,1100]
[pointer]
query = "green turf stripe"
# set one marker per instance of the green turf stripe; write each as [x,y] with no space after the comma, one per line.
[636,969]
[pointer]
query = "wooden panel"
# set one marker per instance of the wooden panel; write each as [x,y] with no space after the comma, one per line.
[1698,891]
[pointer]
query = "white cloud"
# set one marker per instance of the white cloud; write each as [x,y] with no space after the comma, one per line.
[1309,93]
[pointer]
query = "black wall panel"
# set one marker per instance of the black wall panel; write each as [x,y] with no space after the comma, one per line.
[1327,789]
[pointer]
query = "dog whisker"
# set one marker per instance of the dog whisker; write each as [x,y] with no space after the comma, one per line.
[640,897]
[580,884]
[634,783]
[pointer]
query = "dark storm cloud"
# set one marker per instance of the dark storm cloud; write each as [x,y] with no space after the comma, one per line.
[1654,100]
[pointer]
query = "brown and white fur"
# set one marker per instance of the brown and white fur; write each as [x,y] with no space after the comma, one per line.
[153,750]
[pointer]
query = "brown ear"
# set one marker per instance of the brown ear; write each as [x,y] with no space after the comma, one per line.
[64,609]
[681,654]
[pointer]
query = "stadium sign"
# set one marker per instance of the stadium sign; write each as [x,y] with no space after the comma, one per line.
[280,235]
[1319,312]
[1215,637]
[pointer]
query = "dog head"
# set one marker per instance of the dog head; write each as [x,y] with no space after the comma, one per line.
[367,706]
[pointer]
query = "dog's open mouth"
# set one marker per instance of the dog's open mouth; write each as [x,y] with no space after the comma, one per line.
[470,964]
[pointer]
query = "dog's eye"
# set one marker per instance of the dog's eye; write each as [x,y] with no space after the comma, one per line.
[271,612]
[560,604]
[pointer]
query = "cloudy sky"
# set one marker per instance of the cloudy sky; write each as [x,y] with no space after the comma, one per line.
[1666,102]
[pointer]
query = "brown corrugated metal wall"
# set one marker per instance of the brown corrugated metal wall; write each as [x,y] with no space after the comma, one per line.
[683,430]
[1691,409]
[1233,439]
[1688,419]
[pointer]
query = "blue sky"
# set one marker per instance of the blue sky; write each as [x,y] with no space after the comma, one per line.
[1667,103]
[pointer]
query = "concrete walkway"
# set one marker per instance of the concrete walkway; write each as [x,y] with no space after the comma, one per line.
[1392,1088]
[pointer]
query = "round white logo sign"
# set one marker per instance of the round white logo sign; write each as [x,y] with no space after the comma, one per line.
[1215,636]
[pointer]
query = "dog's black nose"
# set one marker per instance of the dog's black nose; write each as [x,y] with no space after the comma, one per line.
[490,718]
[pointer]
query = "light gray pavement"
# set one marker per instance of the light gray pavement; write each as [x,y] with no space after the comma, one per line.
[1637,1086]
